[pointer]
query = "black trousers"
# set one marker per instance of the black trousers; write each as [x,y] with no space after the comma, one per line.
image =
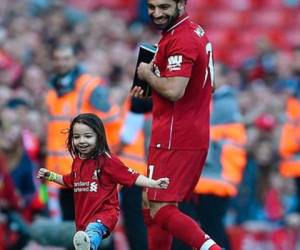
[131,205]
[66,202]
[297,181]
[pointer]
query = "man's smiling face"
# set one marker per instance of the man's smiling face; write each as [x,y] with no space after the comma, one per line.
[164,13]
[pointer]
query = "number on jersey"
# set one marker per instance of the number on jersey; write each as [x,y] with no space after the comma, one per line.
[210,66]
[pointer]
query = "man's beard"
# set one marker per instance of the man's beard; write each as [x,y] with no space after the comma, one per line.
[171,21]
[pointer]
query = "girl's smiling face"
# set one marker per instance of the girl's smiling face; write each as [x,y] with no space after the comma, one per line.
[84,140]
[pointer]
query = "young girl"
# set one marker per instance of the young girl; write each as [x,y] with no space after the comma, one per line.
[96,173]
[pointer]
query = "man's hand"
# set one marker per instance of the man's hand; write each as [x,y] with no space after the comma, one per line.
[137,92]
[145,70]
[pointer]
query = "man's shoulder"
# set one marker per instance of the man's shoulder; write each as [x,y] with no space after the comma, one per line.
[194,31]
[190,32]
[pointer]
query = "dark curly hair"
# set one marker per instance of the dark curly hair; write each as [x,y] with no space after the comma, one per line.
[95,123]
[177,1]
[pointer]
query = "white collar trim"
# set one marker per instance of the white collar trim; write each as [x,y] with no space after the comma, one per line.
[187,17]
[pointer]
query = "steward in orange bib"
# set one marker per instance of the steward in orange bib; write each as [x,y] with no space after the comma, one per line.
[226,160]
[132,151]
[73,91]
[289,146]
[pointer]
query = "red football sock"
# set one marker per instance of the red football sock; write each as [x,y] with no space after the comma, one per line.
[209,244]
[147,217]
[184,228]
[158,239]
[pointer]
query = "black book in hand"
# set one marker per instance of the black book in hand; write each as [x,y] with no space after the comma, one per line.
[146,54]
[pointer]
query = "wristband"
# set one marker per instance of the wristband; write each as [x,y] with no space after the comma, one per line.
[52,176]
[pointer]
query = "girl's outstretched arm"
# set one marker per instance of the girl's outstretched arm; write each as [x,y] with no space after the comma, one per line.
[44,173]
[144,181]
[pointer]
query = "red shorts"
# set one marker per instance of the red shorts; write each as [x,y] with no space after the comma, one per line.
[182,167]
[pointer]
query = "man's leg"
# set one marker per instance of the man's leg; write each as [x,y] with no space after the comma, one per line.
[188,208]
[169,218]
[157,237]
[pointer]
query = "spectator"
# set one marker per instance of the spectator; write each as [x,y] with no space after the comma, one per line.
[20,166]
[10,206]
[73,91]
[289,146]
[223,170]
[132,151]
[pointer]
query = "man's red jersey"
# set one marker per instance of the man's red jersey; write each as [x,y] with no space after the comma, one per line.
[183,51]
[94,182]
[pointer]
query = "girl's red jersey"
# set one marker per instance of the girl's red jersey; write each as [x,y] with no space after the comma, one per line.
[94,182]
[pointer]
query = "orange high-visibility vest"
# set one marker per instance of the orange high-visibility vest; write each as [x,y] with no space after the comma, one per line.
[133,155]
[289,143]
[229,163]
[63,109]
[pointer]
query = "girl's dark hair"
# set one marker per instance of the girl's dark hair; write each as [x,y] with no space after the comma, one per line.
[95,123]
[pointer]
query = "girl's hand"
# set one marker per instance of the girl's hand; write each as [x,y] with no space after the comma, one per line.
[43,173]
[162,183]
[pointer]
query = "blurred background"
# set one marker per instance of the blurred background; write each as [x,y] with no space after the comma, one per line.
[257,41]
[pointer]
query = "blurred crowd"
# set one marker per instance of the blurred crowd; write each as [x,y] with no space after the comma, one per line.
[107,45]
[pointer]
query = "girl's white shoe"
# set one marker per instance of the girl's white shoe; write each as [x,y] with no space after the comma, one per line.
[81,241]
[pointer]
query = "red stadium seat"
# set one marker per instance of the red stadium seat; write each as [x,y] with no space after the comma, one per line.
[221,18]
[236,27]
[238,55]
[221,37]
[201,5]
[249,37]
[126,9]
[292,36]
[268,18]
[267,4]
[272,4]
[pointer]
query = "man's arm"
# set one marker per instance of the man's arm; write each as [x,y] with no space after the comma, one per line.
[172,88]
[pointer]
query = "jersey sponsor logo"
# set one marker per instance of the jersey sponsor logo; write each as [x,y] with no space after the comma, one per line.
[93,187]
[96,174]
[199,31]
[174,62]
[132,171]
[85,186]
[156,70]
[81,186]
